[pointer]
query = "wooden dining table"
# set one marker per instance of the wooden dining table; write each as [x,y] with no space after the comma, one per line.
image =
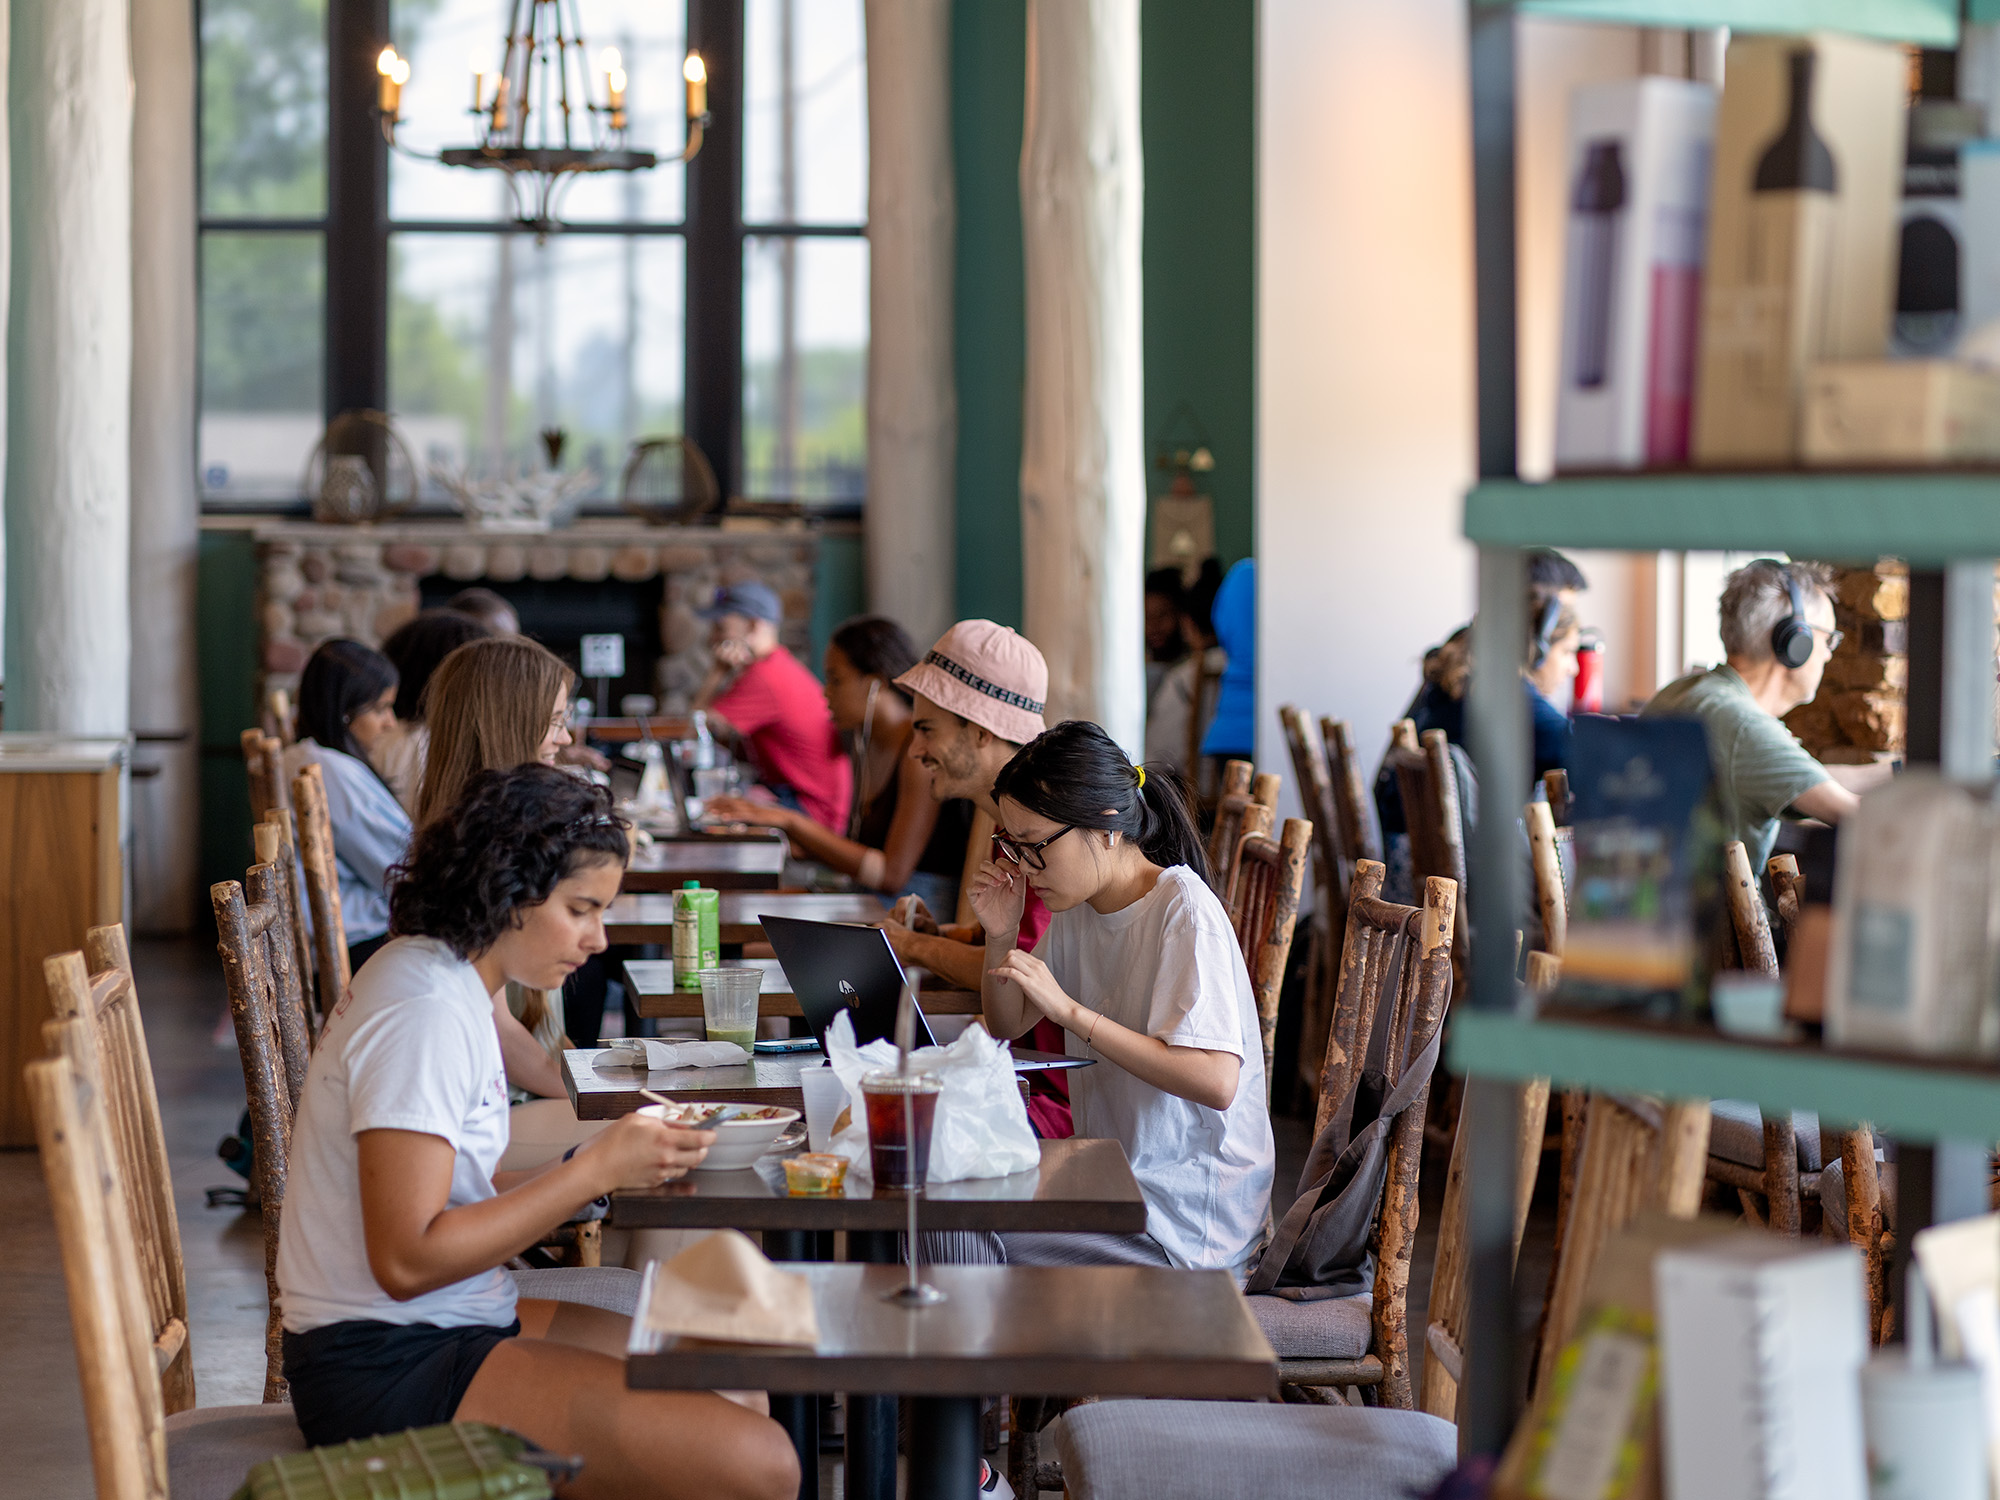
[650,984]
[1023,1330]
[751,863]
[649,918]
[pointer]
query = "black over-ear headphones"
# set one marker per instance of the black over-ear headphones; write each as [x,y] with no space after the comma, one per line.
[1545,629]
[1791,637]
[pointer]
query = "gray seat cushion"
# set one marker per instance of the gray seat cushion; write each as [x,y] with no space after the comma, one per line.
[1196,1450]
[1336,1328]
[1833,1195]
[211,1449]
[1736,1133]
[613,1288]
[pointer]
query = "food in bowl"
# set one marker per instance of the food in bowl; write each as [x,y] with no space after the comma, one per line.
[739,1140]
[815,1174]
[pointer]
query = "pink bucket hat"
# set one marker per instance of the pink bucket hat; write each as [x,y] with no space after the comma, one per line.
[988,675]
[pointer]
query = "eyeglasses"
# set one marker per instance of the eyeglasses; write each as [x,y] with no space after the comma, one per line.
[1833,637]
[1029,855]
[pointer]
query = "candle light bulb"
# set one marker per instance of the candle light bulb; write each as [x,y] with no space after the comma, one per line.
[693,70]
[609,61]
[696,73]
[385,62]
[395,73]
[401,72]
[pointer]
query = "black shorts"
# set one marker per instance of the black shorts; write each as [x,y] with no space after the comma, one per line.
[360,1379]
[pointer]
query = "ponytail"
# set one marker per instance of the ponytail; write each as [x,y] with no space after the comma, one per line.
[1076,774]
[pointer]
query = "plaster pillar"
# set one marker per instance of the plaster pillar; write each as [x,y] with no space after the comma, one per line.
[69,362]
[166,508]
[1083,492]
[912,396]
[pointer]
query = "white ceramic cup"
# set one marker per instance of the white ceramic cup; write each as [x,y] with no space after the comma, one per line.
[826,1097]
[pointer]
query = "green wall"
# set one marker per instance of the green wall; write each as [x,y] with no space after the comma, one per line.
[225,613]
[1198,110]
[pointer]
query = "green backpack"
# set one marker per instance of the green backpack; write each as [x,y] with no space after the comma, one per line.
[457,1461]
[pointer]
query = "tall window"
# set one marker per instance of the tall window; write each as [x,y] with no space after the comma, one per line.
[494,337]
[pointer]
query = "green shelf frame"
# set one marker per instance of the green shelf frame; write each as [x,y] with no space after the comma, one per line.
[1926,518]
[1934,23]
[1911,1100]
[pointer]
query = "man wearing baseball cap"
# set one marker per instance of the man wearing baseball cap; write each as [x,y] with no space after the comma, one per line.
[766,696]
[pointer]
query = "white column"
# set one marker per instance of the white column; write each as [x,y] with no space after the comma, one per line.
[912,397]
[69,361]
[165,506]
[1083,488]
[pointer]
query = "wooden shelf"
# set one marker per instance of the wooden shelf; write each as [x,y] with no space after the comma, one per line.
[1923,517]
[1915,1099]
[1934,23]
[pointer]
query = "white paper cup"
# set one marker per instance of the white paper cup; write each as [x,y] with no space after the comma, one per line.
[1925,1429]
[826,1097]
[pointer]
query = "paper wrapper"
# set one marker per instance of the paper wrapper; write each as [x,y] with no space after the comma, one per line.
[658,1056]
[724,1289]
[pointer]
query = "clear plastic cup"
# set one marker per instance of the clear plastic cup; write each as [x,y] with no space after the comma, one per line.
[901,1111]
[729,1004]
[826,1097]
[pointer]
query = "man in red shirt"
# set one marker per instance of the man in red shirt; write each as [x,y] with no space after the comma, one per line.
[775,706]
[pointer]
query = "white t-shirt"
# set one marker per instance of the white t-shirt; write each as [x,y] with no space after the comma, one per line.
[410,1047]
[1168,966]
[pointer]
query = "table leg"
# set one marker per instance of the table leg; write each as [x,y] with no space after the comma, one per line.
[798,1415]
[871,1420]
[944,1448]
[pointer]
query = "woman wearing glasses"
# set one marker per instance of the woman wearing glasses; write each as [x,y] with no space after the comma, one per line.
[1142,970]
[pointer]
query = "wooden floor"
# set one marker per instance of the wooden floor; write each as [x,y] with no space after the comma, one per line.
[201,1094]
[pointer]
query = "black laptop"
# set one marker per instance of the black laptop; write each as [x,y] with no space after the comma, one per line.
[834,966]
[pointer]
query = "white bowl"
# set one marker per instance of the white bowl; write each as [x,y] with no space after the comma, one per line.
[738,1143]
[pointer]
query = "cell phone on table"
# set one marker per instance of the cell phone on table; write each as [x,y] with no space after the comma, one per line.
[786,1044]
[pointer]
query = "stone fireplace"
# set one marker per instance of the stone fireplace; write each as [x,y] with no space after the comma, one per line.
[316,581]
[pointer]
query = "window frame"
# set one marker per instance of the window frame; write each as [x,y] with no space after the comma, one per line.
[356,231]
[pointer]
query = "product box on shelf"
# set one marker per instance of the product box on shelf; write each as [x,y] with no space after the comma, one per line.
[1979,234]
[1762,1340]
[1802,233]
[1900,411]
[1637,197]
[1930,253]
[1913,957]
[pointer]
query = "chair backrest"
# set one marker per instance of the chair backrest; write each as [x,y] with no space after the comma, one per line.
[1264,904]
[1635,1153]
[1751,923]
[1229,805]
[115,1352]
[263,760]
[278,718]
[1265,787]
[1550,897]
[329,932]
[267,1004]
[277,846]
[1351,804]
[1207,683]
[98,1027]
[1428,782]
[1330,872]
[1788,891]
[1256,822]
[1412,1015]
[1555,786]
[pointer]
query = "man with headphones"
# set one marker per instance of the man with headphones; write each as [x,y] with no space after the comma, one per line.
[1777,629]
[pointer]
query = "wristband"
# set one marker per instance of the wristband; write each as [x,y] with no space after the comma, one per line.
[1092,1031]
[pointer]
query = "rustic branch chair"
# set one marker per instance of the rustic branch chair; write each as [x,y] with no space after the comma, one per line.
[1555,787]
[98,1027]
[138,1449]
[1333,871]
[1228,826]
[1551,897]
[1207,684]
[1788,892]
[279,719]
[263,762]
[1634,1153]
[1339,1343]
[1255,823]
[1429,783]
[276,846]
[329,932]
[1264,906]
[1772,1159]
[1352,808]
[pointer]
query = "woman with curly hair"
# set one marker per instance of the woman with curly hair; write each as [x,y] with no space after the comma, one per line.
[398,1221]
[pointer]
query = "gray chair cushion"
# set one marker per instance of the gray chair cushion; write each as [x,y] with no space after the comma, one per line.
[612,1288]
[1196,1450]
[1336,1328]
[210,1449]
[1736,1133]
[1833,1196]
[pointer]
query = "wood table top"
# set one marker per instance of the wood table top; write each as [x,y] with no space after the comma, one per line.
[1080,1187]
[650,983]
[1027,1330]
[649,918]
[720,863]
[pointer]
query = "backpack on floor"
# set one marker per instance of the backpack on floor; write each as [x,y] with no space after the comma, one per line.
[455,1461]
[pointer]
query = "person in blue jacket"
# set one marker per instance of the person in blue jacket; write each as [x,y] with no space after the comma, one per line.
[1233,731]
[347,706]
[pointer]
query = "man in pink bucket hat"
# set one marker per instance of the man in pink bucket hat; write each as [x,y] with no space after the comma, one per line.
[979,697]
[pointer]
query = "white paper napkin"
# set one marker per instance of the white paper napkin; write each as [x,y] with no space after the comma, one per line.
[656,1055]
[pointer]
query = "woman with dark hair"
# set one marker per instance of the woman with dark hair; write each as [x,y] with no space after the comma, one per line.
[398,1222]
[346,698]
[1140,967]
[417,648]
[899,841]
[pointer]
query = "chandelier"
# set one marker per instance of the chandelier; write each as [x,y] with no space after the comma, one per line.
[547,117]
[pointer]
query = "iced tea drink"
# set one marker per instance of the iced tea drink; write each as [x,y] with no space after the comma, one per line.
[901,1112]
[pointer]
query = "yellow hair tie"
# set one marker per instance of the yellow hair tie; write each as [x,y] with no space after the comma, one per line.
[1142,775]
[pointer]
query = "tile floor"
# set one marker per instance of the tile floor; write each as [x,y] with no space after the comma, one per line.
[201,1093]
